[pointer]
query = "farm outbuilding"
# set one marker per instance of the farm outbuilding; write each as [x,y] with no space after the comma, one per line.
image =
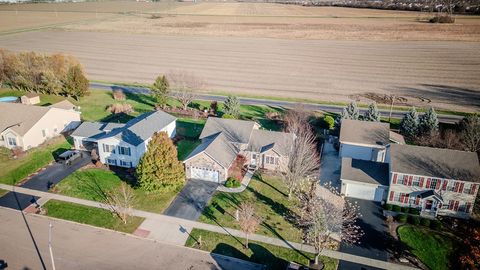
[30,99]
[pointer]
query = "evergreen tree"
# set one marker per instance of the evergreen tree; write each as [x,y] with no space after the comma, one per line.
[352,110]
[76,84]
[372,114]
[232,106]
[159,167]
[160,90]
[409,123]
[428,123]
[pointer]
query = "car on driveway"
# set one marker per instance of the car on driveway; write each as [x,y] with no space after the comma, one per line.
[69,156]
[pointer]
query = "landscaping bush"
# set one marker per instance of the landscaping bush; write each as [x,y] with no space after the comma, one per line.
[435,224]
[329,122]
[425,222]
[402,218]
[414,211]
[442,18]
[228,116]
[404,209]
[388,207]
[415,220]
[232,183]
[120,108]
[396,208]
[118,95]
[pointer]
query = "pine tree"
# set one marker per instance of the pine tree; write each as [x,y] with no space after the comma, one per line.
[352,110]
[159,168]
[372,114]
[76,84]
[232,106]
[160,90]
[409,123]
[428,123]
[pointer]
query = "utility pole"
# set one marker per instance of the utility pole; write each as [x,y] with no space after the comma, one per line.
[50,244]
[391,107]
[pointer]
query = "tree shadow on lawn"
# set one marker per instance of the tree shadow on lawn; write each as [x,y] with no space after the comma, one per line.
[259,177]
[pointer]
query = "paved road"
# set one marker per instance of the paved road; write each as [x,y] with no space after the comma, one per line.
[43,181]
[191,200]
[268,102]
[374,244]
[77,246]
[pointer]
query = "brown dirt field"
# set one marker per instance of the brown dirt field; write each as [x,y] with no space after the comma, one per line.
[442,74]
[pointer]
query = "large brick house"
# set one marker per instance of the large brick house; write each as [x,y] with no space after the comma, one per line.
[378,166]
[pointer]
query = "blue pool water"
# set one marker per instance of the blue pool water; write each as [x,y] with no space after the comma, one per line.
[8,99]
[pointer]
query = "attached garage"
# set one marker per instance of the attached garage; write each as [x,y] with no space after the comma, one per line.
[204,174]
[361,179]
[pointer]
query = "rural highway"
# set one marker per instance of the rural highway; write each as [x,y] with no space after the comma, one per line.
[269,102]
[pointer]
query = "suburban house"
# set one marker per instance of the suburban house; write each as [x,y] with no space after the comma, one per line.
[123,144]
[433,180]
[223,140]
[26,126]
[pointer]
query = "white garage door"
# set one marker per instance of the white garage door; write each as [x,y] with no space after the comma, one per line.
[204,174]
[371,193]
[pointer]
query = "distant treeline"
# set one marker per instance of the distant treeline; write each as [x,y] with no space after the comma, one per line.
[55,74]
[448,6]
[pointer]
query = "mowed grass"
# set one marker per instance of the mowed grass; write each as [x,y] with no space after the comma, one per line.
[433,248]
[14,170]
[273,257]
[185,147]
[271,203]
[90,184]
[3,192]
[90,215]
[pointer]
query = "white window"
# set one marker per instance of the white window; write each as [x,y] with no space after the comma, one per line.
[462,207]
[12,141]
[434,183]
[127,164]
[271,160]
[468,188]
[109,148]
[401,179]
[416,181]
[112,161]
[451,186]
[396,197]
[124,150]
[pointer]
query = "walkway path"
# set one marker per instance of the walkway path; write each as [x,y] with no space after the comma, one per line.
[245,181]
[330,165]
[183,223]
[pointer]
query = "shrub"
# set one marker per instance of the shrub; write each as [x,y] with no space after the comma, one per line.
[120,108]
[414,211]
[415,220]
[329,122]
[228,116]
[442,18]
[232,183]
[396,208]
[402,218]
[388,207]
[404,209]
[435,224]
[118,95]
[425,222]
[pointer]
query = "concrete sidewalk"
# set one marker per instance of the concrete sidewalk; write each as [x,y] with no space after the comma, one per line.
[178,223]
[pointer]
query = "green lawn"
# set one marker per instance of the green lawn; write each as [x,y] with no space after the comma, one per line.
[90,183]
[3,192]
[14,170]
[185,147]
[433,248]
[271,202]
[45,100]
[90,215]
[272,256]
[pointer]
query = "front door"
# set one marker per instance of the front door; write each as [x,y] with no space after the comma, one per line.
[254,160]
[428,205]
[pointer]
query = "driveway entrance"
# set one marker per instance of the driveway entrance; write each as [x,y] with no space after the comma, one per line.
[191,200]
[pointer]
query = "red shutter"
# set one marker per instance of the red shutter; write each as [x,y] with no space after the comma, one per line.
[460,190]
[469,207]
[402,197]
[394,178]
[444,187]
[455,186]
[450,204]
[421,182]
[407,196]
[391,196]
[474,189]
[417,200]
[439,183]
[428,183]
[410,179]
[455,206]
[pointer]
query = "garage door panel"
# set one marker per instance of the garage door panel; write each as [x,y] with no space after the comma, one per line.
[360,191]
[204,174]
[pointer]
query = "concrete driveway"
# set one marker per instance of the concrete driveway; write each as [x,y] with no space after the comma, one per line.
[375,243]
[191,200]
[43,181]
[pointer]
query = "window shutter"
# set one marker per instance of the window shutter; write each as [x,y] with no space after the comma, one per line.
[406,199]
[409,182]
[469,207]
[439,184]
[391,195]
[428,183]
[417,200]
[444,187]
[421,182]
[460,190]
[455,207]
[394,178]
[473,189]
[450,204]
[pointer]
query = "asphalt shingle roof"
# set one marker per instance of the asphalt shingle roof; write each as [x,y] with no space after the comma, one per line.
[64,104]
[218,148]
[435,162]
[95,130]
[263,140]
[364,171]
[364,132]
[234,130]
[20,117]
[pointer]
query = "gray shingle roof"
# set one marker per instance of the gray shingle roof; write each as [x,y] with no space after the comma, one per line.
[218,148]
[364,132]
[95,130]
[364,171]
[263,140]
[20,117]
[435,162]
[234,130]
[64,104]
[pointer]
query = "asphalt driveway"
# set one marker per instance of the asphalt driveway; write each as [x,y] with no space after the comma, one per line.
[191,200]
[375,243]
[43,181]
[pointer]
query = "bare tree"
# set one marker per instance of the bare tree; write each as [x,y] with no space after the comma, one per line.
[329,215]
[184,86]
[248,220]
[303,158]
[120,201]
[471,132]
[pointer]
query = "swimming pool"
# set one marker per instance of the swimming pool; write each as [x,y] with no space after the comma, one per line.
[8,99]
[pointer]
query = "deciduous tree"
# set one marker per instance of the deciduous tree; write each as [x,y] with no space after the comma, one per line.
[248,220]
[470,255]
[159,167]
[232,106]
[184,86]
[160,90]
[372,113]
[120,201]
[471,132]
[75,84]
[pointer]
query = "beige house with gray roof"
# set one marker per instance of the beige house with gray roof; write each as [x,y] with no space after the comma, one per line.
[27,126]
[225,139]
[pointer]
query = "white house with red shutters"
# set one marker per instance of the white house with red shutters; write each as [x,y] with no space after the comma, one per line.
[433,180]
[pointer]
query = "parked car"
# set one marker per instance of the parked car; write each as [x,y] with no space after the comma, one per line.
[69,156]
